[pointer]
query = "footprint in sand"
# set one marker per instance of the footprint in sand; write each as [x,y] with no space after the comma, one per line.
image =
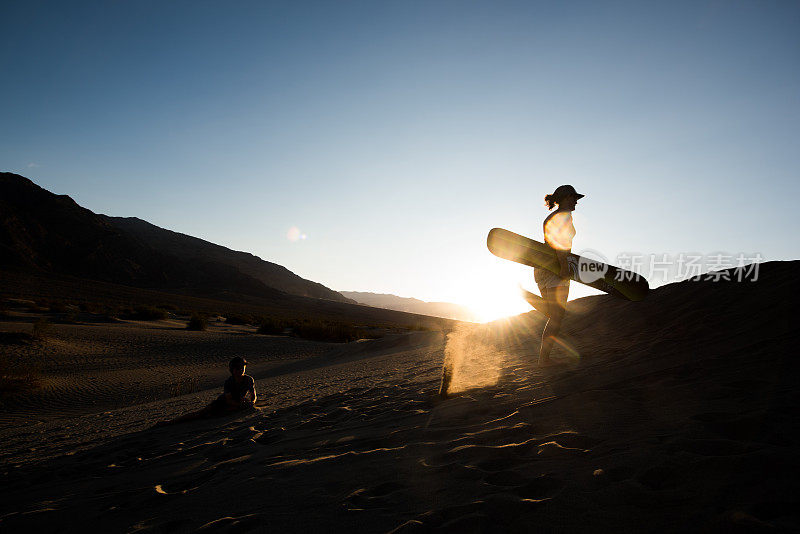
[378,497]
[241,524]
[569,440]
[543,487]
[270,437]
[386,488]
[506,479]
[553,449]
[449,519]
[184,484]
[497,464]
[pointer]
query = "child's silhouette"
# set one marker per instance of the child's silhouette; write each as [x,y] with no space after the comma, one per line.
[233,398]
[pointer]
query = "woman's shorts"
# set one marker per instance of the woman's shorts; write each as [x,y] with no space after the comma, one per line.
[546,279]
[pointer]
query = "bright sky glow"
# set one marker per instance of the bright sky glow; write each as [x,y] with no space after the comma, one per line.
[371,146]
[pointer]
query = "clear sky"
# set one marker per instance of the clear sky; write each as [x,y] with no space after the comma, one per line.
[394,135]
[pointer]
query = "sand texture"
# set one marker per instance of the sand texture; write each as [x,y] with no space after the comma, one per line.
[676,414]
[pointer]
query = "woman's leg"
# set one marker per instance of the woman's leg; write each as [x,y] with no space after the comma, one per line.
[556,298]
[539,304]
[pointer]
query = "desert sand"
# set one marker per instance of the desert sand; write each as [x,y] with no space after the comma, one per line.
[674,414]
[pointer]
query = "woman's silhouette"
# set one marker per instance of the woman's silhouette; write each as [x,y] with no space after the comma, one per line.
[558,234]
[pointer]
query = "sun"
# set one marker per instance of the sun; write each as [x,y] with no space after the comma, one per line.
[490,306]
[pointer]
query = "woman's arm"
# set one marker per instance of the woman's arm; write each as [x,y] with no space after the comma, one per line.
[253,395]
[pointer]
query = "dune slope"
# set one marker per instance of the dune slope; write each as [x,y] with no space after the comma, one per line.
[671,415]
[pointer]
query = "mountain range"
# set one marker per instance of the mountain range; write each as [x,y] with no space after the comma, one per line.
[44,233]
[393,302]
[194,249]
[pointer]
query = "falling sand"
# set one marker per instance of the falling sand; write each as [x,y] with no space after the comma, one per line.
[473,358]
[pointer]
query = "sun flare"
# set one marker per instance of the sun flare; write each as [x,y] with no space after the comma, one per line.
[491,306]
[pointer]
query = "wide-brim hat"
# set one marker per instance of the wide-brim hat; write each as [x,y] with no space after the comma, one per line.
[563,191]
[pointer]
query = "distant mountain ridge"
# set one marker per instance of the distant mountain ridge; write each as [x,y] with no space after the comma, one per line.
[192,248]
[447,310]
[41,232]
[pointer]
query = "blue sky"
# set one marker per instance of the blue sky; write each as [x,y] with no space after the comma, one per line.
[394,135]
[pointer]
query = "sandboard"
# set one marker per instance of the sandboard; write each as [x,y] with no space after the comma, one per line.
[607,278]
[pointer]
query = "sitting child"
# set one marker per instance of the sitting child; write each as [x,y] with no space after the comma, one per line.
[233,398]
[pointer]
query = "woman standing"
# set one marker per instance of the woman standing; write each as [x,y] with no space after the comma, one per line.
[558,234]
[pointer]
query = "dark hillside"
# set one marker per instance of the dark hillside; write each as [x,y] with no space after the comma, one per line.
[188,248]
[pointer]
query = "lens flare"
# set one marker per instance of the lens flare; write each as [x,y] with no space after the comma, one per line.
[294,234]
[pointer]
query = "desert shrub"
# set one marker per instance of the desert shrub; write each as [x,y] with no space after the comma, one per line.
[366,332]
[148,313]
[108,314]
[72,316]
[239,318]
[37,308]
[311,329]
[41,329]
[58,306]
[197,322]
[91,307]
[332,332]
[271,326]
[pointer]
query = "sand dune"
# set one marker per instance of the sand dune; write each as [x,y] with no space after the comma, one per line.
[98,367]
[672,415]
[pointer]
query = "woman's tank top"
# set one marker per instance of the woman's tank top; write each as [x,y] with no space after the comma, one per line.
[559,230]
